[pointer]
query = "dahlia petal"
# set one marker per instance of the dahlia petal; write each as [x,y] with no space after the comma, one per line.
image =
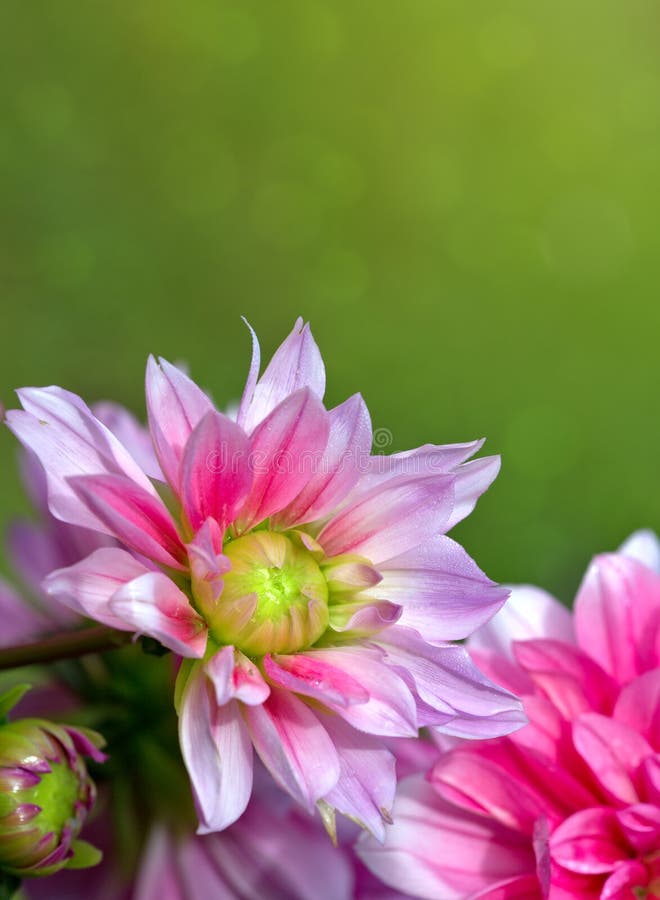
[429,459]
[479,785]
[446,680]
[435,850]
[472,480]
[643,546]
[68,441]
[294,747]
[284,450]
[215,472]
[296,364]
[158,877]
[641,826]
[589,842]
[339,469]
[235,677]
[638,706]
[88,586]
[138,519]
[217,752]
[175,404]
[152,604]
[306,674]
[572,681]
[528,613]
[388,520]
[21,622]
[389,710]
[363,620]
[208,565]
[133,435]
[613,752]
[253,377]
[620,885]
[367,781]
[442,592]
[617,616]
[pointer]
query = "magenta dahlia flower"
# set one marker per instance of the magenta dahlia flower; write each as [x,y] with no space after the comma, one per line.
[309,586]
[568,808]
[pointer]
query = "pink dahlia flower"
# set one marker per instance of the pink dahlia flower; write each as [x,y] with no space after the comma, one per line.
[569,806]
[309,587]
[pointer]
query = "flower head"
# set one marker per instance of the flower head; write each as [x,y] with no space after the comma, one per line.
[309,586]
[45,794]
[569,806]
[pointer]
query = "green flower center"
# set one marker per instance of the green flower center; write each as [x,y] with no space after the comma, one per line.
[274,599]
[56,794]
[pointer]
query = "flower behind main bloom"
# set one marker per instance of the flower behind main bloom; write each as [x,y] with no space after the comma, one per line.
[308,585]
[568,808]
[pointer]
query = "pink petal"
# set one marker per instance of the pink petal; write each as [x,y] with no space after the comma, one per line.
[217,752]
[284,449]
[174,405]
[613,752]
[208,565]
[389,709]
[253,377]
[528,613]
[133,435]
[641,826]
[296,364]
[622,882]
[308,675]
[590,842]
[22,623]
[138,519]
[442,592]
[479,785]
[235,677]
[392,519]
[429,459]
[434,850]
[446,681]
[158,874]
[643,546]
[294,747]
[68,440]
[472,480]
[638,706]
[367,781]
[340,467]
[152,604]
[88,586]
[617,616]
[570,679]
[215,473]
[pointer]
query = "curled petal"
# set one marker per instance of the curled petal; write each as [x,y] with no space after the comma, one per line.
[88,586]
[152,604]
[235,677]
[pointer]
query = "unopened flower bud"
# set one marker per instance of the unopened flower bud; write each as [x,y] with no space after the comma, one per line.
[45,795]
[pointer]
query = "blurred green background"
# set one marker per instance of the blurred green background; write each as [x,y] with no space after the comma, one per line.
[461,197]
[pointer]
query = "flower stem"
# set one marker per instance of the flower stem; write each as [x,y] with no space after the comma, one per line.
[64,646]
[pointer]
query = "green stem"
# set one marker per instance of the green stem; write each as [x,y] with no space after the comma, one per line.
[64,646]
